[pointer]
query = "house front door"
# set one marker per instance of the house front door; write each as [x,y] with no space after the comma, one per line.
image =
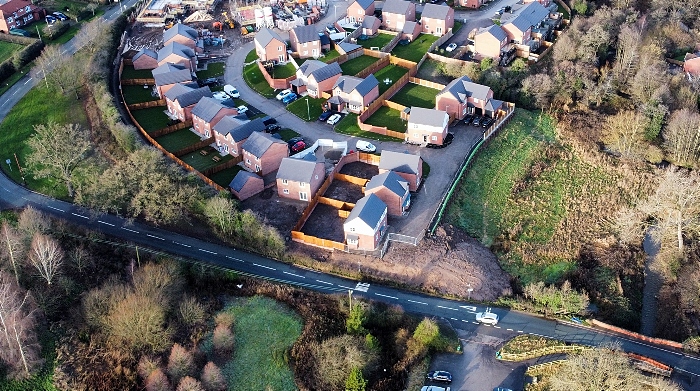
[425,139]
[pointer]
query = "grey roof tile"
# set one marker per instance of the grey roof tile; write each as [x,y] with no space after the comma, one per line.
[463,87]
[177,90]
[367,85]
[368,209]
[435,11]
[493,104]
[207,108]
[192,97]
[495,31]
[349,47]
[399,162]
[239,130]
[526,17]
[306,33]
[265,35]
[347,83]
[297,170]
[326,72]
[241,178]
[364,3]
[391,181]
[180,29]
[370,22]
[258,143]
[176,76]
[310,66]
[145,52]
[409,27]
[168,67]
[396,6]
[428,117]
[177,49]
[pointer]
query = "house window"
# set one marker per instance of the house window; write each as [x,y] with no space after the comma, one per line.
[352,241]
[247,161]
[302,184]
[285,191]
[316,177]
[285,182]
[415,126]
[476,100]
[415,134]
[305,44]
[439,30]
[206,133]
[352,229]
[279,48]
[257,167]
[303,197]
[226,148]
[427,28]
[434,138]
[306,52]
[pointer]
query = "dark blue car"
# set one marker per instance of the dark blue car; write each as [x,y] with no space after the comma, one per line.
[290,98]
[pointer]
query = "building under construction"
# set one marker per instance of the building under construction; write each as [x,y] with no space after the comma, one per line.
[156,12]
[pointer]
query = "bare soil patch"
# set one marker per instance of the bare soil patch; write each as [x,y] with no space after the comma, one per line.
[281,213]
[325,223]
[344,191]
[360,170]
[447,264]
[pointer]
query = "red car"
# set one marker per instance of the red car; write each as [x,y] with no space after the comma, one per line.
[298,146]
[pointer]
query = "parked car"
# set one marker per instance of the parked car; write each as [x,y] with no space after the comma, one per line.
[293,141]
[502,389]
[220,96]
[365,146]
[50,19]
[269,121]
[60,15]
[440,376]
[468,119]
[447,141]
[242,109]
[434,388]
[289,98]
[283,93]
[500,11]
[486,122]
[298,147]
[487,318]
[325,115]
[211,82]
[334,119]
[231,91]
[476,121]
[272,128]
[20,32]
[451,47]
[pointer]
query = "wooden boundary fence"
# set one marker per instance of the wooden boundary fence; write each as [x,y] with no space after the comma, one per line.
[194,147]
[426,83]
[171,128]
[631,334]
[298,236]
[535,368]
[277,84]
[351,179]
[146,105]
[383,61]
[336,203]
[137,82]
[220,167]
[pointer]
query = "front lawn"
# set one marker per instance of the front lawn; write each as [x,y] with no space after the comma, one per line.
[175,141]
[388,76]
[331,55]
[283,71]
[416,95]
[251,56]
[255,80]
[214,69]
[7,49]
[456,27]
[202,162]
[14,78]
[379,41]
[138,94]
[357,64]
[152,118]
[388,118]
[224,177]
[415,50]
[307,113]
[130,73]
[348,125]
[288,134]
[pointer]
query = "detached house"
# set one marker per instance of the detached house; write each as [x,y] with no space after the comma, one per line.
[691,65]
[184,35]
[392,190]
[263,154]
[471,3]
[437,19]
[462,97]
[230,133]
[411,31]
[246,184]
[518,26]
[299,179]
[207,113]
[168,75]
[181,100]
[371,25]
[315,76]
[359,10]
[427,126]
[366,224]
[177,53]
[491,42]
[19,14]
[396,13]
[269,46]
[406,165]
[305,41]
[145,59]
[353,93]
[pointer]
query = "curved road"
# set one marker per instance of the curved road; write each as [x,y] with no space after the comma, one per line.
[459,314]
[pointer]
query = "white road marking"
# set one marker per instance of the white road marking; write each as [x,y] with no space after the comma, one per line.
[28,80]
[362,286]
[453,318]
[295,275]
[105,223]
[207,251]
[130,230]
[182,244]
[417,302]
[471,312]
[520,331]
[263,266]
[84,217]
[468,307]
[324,282]
[509,329]
[26,198]
[448,308]
[496,327]
[49,206]
[154,237]
[475,322]
[346,287]
[235,259]
[387,296]
[465,321]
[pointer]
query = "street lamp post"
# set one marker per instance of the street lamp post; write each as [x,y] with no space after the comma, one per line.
[469,292]
[308,112]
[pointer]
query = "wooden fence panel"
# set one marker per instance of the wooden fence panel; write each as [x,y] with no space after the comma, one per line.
[402,63]
[343,213]
[336,203]
[383,62]
[138,82]
[369,158]
[277,84]
[426,83]
[395,106]
[352,179]
[145,105]
[171,128]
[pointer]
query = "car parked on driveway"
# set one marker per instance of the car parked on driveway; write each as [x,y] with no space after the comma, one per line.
[440,376]
[231,91]
[272,128]
[451,47]
[487,317]
[334,119]
[221,96]
[60,15]
[365,146]
[298,147]
[325,115]
[289,98]
[294,140]
[283,93]
[447,141]
[486,122]
[476,121]
[434,388]
[242,109]
[468,119]
[50,19]
[211,82]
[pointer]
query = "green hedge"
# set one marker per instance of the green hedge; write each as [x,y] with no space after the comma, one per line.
[21,58]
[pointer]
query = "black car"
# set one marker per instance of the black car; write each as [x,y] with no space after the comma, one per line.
[486,122]
[476,121]
[447,141]
[269,121]
[325,115]
[441,376]
[211,82]
[272,128]
[468,119]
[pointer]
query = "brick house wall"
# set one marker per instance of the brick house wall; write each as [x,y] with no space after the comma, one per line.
[275,50]
[487,45]
[252,187]
[306,49]
[14,14]
[356,13]
[190,63]
[454,108]
[145,62]
[395,22]
[315,88]
[205,127]
[293,189]
[425,134]
[269,161]
[515,35]
[393,202]
[226,144]
[164,88]
[438,26]
[182,113]
[471,3]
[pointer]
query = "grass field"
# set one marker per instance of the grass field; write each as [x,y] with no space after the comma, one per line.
[251,56]
[288,134]
[283,71]
[201,163]
[391,73]
[7,49]
[264,331]
[333,54]
[415,50]
[224,177]
[299,108]
[175,141]
[416,95]
[388,118]
[138,94]
[348,125]
[255,80]
[379,41]
[152,118]
[18,126]
[214,69]
[354,66]
[130,73]
[14,78]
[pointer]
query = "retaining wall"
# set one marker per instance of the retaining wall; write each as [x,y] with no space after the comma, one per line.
[631,334]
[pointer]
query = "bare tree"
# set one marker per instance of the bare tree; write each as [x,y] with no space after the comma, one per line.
[628,42]
[682,138]
[57,150]
[91,31]
[46,256]
[51,57]
[212,378]
[32,221]
[189,384]
[222,213]
[624,134]
[13,246]
[19,349]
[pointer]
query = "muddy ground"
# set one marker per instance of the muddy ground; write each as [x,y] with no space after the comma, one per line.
[360,170]
[280,213]
[447,264]
[344,191]
[324,223]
